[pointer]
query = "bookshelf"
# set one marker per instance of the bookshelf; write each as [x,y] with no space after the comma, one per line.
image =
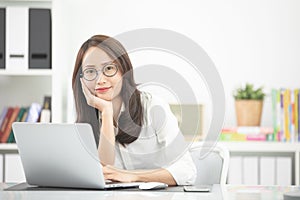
[237,149]
[21,86]
[32,72]
[282,162]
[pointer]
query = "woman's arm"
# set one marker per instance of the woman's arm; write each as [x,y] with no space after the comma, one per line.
[106,147]
[156,175]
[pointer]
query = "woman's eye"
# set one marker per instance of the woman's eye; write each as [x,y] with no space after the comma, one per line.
[89,71]
[109,68]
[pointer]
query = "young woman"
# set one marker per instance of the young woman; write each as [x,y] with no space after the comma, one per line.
[136,133]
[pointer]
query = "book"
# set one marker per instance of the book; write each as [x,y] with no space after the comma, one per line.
[24,117]
[45,116]
[247,133]
[275,113]
[286,102]
[254,130]
[14,114]
[278,117]
[296,113]
[298,100]
[231,136]
[33,112]
[248,130]
[281,133]
[256,137]
[2,116]
[11,138]
[5,121]
[286,110]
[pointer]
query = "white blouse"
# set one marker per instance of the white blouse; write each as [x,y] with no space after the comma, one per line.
[160,144]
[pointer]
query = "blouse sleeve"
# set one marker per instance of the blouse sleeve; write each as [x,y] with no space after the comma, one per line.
[169,135]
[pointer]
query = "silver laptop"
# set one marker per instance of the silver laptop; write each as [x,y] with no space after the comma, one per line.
[61,155]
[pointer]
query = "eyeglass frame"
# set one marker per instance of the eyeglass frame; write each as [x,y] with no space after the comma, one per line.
[102,71]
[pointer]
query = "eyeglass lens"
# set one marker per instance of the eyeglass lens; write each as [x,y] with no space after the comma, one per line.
[108,70]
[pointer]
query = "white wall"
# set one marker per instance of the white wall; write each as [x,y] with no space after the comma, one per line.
[253,41]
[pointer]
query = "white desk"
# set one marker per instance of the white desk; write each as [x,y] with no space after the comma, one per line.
[228,192]
[216,194]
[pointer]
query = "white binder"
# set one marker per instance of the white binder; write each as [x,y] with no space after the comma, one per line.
[17,39]
[267,170]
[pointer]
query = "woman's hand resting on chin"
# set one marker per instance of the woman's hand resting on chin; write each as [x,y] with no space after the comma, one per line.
[102,105]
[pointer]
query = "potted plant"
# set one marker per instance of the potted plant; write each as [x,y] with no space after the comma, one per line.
[248,105]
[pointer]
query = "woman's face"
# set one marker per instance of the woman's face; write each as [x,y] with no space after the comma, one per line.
[102,86]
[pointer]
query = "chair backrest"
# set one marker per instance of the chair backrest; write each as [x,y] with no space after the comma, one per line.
[211,162]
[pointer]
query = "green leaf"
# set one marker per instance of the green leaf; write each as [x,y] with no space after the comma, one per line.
[248,92]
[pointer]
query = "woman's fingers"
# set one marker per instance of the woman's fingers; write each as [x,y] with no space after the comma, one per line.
[84,89]
[115,174]
[109,173]
[90,98]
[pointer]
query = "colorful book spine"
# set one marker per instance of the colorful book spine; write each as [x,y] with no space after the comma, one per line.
[256,137]
[292,117]
[286,98]
[296,113]
[247,133]
[286,114]
[278,118]
[8,128]
[5,121]
[34,112]
[2,116]
[11,138]
[282,133]
[298,100]
[274,113]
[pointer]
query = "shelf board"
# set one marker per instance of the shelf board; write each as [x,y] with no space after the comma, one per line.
[232,146]
[29,72]
[8,146]
[261,146]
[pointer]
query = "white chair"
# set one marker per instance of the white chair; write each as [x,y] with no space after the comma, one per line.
[212,163]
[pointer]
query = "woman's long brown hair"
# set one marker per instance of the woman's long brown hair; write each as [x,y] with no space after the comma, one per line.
[131,120]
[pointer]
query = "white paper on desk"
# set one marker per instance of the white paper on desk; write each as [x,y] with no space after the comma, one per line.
[17,27]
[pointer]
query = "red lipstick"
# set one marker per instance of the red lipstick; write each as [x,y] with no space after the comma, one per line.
[103,89]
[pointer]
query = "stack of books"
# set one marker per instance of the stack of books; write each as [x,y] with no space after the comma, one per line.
[247,133]
[33,113]
[285,112]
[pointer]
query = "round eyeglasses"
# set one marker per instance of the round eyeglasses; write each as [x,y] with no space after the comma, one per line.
[91,74]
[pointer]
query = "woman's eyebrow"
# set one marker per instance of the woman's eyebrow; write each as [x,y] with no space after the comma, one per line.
[102,63]
[86,66]
[107,62]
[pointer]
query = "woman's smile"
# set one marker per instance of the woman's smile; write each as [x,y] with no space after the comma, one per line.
[103,89]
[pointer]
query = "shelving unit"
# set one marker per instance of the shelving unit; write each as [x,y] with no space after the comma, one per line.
[29,72]
[21,87]
[260,150]
[235,148]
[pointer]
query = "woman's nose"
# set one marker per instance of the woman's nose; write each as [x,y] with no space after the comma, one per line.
[101,78]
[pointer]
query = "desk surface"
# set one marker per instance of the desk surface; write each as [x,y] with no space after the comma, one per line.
[228,192]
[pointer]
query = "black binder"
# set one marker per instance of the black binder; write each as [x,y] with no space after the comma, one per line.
[39,38]
[2,38]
